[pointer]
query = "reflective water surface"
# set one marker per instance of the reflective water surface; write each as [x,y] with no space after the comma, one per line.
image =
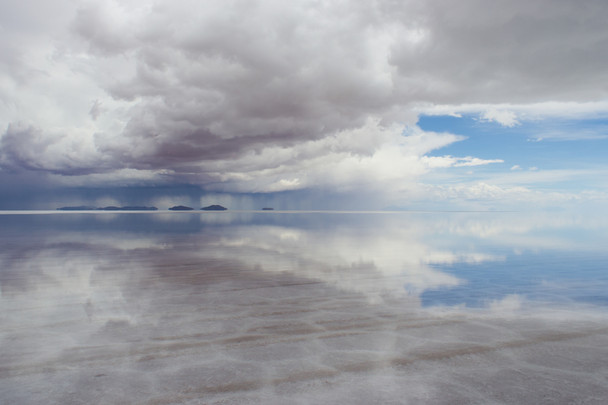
[272,307]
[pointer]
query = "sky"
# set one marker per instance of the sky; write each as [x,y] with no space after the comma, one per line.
[304,105]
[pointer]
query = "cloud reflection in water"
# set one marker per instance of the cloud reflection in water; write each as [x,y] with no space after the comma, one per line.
[262,307]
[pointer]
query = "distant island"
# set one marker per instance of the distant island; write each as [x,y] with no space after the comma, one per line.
[214,207]
[267,209]
[108,208]
[77,208]
[180,208]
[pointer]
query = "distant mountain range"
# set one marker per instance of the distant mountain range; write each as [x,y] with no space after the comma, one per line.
[108,208]
[214,207]
[180,208]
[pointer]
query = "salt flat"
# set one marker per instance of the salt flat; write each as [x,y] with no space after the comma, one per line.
[307,308]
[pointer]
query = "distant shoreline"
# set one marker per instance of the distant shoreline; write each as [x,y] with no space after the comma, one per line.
[251,211]
[108,208]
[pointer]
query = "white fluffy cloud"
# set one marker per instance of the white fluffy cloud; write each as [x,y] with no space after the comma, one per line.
[503,117]
[262,96]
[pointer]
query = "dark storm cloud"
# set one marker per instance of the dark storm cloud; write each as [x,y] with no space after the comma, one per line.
[512,51]
[29,148]
[237,91]
[245,71]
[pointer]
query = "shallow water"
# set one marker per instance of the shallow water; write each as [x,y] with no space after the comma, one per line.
[272,307]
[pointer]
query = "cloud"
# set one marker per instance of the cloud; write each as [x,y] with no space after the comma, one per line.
[96,110]
[27,147]
[267,96]
[566,131]
[529,112]
[484,191]
[509,304]
[451,161]
[345,160]
[504,118]
[516,189]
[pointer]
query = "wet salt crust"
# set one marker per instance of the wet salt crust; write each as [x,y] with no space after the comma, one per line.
[302,308]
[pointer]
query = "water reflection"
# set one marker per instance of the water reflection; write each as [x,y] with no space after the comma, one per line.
[174,307]
[444,257]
